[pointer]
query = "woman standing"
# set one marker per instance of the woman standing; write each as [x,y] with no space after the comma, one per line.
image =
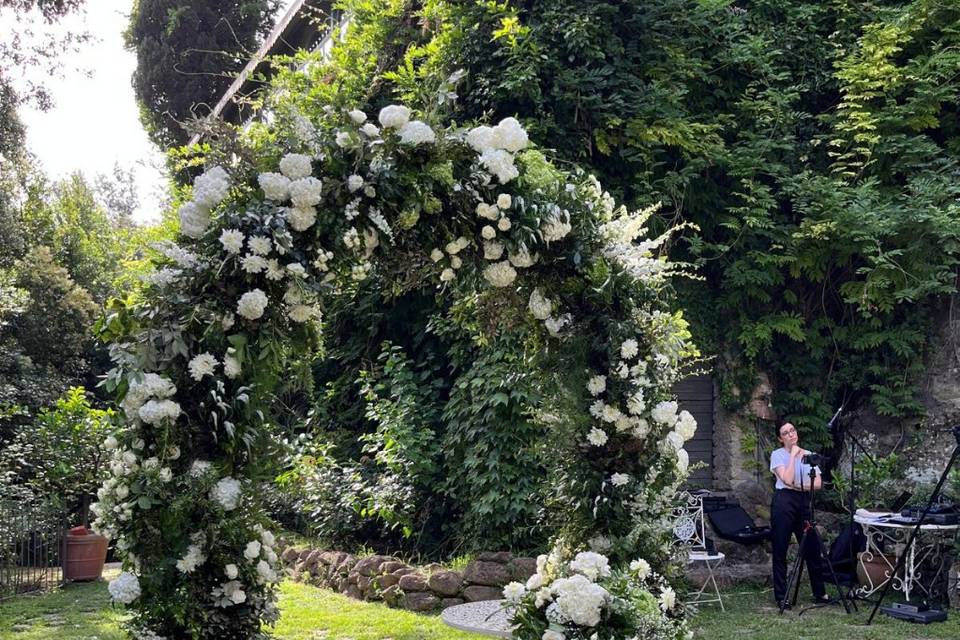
[790,514]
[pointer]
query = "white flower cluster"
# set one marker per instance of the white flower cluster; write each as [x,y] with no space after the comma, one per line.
[593,565]
[577,600]
[232,240]
[296,166]
[194,556]
[636,258]
[252,304]
[209,189]
[202,365]
[150,386]
[416,132]
[171,250]
[229,594]
[226,492]
[394,116]
[125,588]
[540,306]
[496,146]
[500,274]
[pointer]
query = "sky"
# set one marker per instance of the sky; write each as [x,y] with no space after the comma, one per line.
[94,122]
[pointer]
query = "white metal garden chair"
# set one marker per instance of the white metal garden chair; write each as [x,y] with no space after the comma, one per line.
[689,533]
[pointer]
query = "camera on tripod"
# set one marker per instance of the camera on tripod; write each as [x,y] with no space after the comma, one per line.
[813,459]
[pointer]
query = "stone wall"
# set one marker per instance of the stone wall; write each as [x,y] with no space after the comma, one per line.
[429,588]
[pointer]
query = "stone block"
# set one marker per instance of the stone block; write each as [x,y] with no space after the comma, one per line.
[370,566]
[446,603]
[522,568]
[413,582]
[392,565]
[419,601]
[502,557]
[445,583]
[386,581]
[486,573]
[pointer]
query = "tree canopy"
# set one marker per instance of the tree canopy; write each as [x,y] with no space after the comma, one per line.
[187,54]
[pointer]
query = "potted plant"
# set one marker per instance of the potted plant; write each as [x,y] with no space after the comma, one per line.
[59,458]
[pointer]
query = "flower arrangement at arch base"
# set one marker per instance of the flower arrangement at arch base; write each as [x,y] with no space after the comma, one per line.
[583,598]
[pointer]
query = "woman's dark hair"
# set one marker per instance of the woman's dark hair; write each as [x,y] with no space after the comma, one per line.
[781,423]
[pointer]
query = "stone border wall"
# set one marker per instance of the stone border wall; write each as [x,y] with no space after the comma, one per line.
[429,588]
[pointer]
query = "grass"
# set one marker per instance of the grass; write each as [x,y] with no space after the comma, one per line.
[750,613]
[84,612]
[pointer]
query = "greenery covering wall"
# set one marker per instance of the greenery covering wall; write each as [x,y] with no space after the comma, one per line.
[813,144]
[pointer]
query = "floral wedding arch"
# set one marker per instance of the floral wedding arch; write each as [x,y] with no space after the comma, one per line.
[265,242]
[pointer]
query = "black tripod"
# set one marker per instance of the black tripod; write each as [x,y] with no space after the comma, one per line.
[796,571]
[916,529]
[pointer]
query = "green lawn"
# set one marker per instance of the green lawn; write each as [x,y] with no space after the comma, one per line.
[83,612]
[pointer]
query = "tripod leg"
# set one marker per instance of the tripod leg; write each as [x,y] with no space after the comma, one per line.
[793,578]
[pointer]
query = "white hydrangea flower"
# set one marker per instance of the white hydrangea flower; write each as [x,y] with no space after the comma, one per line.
[499,163]
[252,550]
[555,228]
[683,460]
[556,325]
[500,274]
[394,116]
[232,240]
[252,304]
[358,117]
[201,365]
[296,165]
[480,138]
[417,132]
[492,250]
[673,441]
[301,218]
[265,572]
[522,259]
[194,220]
[157,411]
[199,467]
[593,565]
[276,186]
[597,437]
[354,183]
[540,306]
[226,492]
[629,348]
[514,591]
[210,188]
[306,192]
[510,135]
[504,200]
[620,479]
[231,366]
[296,270]
[665,413]
[550,634]
[686,425]
[110,443]
[125,588]
[579,600]
[597,384]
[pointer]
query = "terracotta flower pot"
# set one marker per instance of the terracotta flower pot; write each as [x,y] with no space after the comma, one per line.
[86,553]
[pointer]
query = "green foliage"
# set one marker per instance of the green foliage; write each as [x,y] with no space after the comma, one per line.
[813,144]
[491,448]
[187,53]
[53,326]
[60,456]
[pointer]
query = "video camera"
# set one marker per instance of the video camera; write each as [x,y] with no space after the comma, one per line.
[814,459]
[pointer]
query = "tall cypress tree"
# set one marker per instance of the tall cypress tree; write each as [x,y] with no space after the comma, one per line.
[187,53]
